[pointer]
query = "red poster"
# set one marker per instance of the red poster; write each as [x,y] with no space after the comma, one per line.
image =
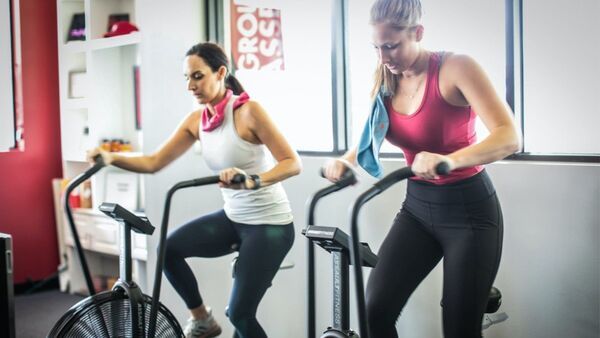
[256,42]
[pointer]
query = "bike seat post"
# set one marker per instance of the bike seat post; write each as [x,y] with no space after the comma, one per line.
[125,253]
[341,290]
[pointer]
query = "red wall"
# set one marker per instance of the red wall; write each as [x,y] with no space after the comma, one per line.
[26,206]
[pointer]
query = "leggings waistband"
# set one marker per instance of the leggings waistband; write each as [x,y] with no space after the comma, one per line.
[472,189]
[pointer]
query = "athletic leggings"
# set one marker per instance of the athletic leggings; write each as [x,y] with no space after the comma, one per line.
[261,251]
[461,222]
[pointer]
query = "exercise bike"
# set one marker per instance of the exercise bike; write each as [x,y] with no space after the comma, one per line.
[338,243]
[341,245]
[123,311]
[495,296]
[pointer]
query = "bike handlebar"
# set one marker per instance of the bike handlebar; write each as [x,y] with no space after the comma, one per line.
[74,183]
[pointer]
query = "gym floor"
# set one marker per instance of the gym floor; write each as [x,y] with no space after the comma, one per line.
[36,313]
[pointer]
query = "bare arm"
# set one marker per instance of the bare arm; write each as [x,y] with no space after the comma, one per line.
[478,91]
[472,87]
[264,129]
[181,140]
[350,156]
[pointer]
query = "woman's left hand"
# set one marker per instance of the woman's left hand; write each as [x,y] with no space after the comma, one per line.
[226,175]
[425,163]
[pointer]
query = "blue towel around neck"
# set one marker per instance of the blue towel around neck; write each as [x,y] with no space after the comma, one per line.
[372,138]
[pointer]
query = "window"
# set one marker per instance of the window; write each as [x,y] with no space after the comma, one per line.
[297,94]
[7,106]
[475,28]
[362,61]
[553,78]
[561,76]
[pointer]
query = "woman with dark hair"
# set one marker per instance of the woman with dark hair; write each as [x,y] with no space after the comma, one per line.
[426,102]
[237,136]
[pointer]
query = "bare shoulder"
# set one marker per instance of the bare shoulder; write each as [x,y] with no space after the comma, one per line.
[191,123]
[251,106]
[252,111]
[458,60]
[459,64]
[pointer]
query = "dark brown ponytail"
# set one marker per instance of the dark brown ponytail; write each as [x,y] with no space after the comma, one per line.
[232,83]
[215,57]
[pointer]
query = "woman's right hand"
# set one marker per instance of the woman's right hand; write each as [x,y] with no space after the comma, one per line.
[107,157]
[334,169]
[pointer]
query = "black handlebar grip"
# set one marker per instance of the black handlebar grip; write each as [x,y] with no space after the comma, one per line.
[322,172]
[348,173]
[238,178]
[443,168]
[348,177]
[98,160]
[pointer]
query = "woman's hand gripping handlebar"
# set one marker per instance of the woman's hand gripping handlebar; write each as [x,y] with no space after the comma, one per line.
[347,178]
[442,168]
[339,171]
[335,169]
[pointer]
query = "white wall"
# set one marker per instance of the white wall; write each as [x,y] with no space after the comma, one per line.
[573,89]
[549,273]
[169,29]
[7,112]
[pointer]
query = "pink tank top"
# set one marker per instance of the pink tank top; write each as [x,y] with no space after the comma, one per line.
[436,126]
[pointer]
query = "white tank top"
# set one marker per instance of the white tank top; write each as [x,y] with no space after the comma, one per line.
[223,148]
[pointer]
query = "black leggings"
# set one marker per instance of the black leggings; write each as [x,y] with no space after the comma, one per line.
[261,251]
[461,222]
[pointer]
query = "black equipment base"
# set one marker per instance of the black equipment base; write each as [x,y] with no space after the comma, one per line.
[7,299]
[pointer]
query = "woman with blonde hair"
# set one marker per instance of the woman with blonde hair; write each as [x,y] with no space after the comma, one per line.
[426,103]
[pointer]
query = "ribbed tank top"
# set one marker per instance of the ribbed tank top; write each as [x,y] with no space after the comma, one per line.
[223,148]
[436,126]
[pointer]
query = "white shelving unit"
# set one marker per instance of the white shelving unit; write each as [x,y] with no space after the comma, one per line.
[105,111]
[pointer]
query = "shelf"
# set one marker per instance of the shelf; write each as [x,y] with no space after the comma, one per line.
[123,153]
[75,159]
[116,41]
[88,211]
[75,46]
[79,103]
[103,108]
[100,233]
[103,43]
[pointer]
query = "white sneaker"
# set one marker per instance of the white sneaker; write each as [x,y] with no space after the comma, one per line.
[205,328]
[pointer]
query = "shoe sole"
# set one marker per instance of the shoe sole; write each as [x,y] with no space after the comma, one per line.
[217,331]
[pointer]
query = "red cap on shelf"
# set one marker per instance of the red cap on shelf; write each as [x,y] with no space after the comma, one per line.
[121,28]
